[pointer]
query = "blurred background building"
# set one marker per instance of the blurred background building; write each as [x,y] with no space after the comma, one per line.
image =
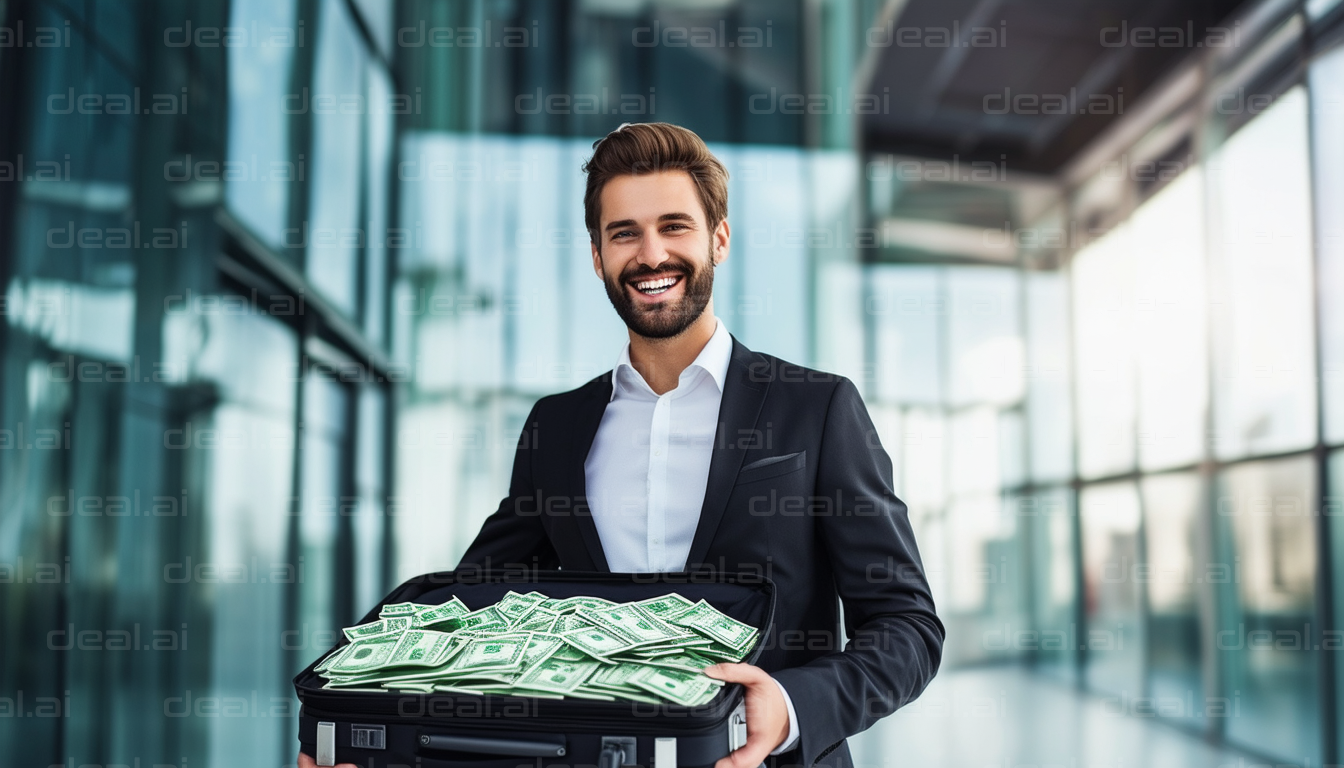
[282,279]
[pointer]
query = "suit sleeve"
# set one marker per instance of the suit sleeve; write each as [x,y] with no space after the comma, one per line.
[513,535]
[895,638]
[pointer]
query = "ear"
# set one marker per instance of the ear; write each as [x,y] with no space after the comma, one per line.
[597,261]
[722,238]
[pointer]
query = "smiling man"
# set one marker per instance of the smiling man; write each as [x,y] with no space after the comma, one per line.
[697,453]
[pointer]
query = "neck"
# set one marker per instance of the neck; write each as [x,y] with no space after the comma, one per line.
[661,361]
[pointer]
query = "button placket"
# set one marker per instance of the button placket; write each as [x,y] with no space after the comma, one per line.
[658,443]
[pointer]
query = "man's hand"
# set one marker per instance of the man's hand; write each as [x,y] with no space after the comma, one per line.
[308,762]
[767,714]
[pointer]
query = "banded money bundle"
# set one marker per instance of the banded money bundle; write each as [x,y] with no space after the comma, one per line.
[532,645]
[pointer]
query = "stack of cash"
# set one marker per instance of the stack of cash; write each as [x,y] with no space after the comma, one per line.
[533,645]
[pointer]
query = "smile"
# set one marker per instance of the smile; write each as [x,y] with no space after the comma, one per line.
[656,286]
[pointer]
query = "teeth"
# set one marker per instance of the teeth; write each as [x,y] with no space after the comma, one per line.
[649,285]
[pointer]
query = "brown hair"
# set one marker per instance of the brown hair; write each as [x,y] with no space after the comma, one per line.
[640,148]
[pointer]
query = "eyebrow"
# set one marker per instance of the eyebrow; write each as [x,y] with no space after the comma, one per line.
[676,216]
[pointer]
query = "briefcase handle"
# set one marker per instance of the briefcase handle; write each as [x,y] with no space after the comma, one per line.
[481,746]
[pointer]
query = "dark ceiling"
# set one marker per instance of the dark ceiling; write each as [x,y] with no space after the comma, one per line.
[1032,80]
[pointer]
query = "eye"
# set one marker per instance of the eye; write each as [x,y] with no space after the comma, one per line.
[676,226]
[622,233]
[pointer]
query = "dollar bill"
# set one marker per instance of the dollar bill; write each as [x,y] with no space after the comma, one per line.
[400,609]
[515,606]
[366,654]
[444,616]
[379,627]
[681,686]
[708,621]
[667,606]
[652,651]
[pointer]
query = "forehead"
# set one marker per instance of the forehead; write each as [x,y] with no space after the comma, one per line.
[650,195]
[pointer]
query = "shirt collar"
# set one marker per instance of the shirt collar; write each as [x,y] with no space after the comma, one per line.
[713,359]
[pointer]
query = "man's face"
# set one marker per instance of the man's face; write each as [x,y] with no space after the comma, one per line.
[657,253]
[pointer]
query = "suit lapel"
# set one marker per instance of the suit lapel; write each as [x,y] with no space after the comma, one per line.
[738,413]
[587,418]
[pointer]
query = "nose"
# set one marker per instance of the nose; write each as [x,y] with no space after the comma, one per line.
[652,252]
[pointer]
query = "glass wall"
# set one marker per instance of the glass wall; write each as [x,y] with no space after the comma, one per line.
[1161,384]
[195,398]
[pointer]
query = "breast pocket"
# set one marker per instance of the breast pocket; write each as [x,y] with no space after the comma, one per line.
[772,466]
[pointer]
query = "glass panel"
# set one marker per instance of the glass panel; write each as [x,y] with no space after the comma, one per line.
[1266,638]
[370,489]
[535,326]
[769,193]
[1112,599]
[378,177]
[924,446]
[1051,547]
[887,422]
[1173,571]
[983,610]
[259,169]
[907,310]
[1012,457]
[1167,238]
[332,237]
[985,349]
[1103,321]
[1327,114]
[240,462]
[973,464]
[1334,508]
[1264,344]
[323,504]
[1049,392]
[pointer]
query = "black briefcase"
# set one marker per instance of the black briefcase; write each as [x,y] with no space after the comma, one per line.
[441,730]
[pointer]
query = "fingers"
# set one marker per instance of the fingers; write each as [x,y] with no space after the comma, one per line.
[759,739]
[307,762]
[745,757]
[737,673]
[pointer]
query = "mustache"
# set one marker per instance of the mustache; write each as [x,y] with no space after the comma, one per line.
[644,270]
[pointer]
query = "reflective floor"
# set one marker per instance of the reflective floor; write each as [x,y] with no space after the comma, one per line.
[1009,718]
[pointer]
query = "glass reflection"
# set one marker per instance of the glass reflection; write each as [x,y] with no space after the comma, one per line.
[1326,77]
[1053,593]
[1049,393]
[1112,593]
[324,505]
[973,465]
[984,343]
[1267,636]
[1167,238]
[333,235]
[257,187]
[983,607]
[239,465]
[1103,318]
[1264,350]
[907,311]
[1174,569]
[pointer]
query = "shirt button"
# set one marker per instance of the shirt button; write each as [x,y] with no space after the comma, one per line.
[657,541]
[657,453]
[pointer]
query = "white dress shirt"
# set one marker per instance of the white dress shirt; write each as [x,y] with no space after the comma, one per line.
[648,467]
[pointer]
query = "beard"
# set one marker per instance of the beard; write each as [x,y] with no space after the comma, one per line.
[668,318]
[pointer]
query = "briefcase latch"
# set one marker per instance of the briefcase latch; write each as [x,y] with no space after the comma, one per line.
[737,728]
[326,744]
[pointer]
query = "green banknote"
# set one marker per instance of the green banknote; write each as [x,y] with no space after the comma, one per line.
[529,644]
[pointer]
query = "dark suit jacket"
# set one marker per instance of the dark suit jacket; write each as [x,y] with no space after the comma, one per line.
[799,490]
